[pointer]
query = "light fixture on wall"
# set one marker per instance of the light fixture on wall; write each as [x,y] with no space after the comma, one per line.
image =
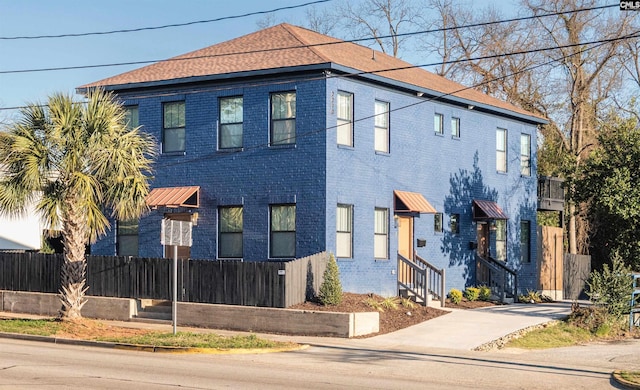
[420,94]
[471,106]
[395,221]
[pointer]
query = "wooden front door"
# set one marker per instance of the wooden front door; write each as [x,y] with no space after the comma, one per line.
[405,237]
[482,234]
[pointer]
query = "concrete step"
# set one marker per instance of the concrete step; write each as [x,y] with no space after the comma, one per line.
[152,320]
[154,315]
[157,309]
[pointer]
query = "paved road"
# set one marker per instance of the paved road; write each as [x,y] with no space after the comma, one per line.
[27,364]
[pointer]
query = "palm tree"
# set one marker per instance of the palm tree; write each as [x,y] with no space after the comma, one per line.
[75,160]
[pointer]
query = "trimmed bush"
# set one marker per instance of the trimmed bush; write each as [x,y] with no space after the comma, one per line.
[472,293]
[331,288]
[485,293]
[611,289]
[455,295]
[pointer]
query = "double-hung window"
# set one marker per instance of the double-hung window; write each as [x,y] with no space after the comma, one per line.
[173,127]
[127,237]
[525,241]
[283,118]
[381,233]
[501,150]
[230,222]
[455,127]
[131,117]
[525,154]
[381,137]
[345,118]
[231,117]
[283,231]
[344,230]
[438,124]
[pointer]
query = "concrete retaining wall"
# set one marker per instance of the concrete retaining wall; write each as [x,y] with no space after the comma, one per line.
[241,318]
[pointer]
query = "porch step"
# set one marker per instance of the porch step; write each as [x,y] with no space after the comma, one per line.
[154,311]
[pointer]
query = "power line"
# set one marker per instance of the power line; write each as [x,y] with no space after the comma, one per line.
[145,62]
[85,34]
[379,71]
[223,154]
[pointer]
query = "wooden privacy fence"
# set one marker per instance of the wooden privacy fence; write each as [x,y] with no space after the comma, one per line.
[259,283]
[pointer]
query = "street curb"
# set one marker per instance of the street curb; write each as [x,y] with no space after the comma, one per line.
[616,376]
[146,348]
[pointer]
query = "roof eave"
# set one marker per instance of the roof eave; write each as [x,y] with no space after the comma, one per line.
[207,78]
[441,96]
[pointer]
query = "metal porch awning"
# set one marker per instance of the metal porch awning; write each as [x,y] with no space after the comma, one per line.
[173,197]
[484,210]
[411,202]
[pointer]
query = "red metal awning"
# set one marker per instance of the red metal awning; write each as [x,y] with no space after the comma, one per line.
[486,210]
[174,197]
[411,202]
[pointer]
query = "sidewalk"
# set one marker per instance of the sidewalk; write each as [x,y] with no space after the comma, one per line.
[459,330]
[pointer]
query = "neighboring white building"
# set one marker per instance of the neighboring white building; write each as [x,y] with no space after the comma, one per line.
[21,233]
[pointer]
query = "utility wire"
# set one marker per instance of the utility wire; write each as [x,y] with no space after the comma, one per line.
[379,71]
[222,154]
[85,34]
[145,62]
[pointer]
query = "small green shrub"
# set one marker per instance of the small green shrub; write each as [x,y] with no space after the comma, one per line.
[611,289]
[331,288]
[390,303]
[472,293]
[455,295]
[485,293]
[408,303]
[531,296]
[374,304]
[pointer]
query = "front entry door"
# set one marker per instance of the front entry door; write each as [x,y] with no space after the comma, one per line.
[483,239]
[405,237]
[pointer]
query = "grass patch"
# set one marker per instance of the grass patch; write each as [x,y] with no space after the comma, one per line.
[631,376]
[97,331]
[198,340]
[561,334]
[33,327]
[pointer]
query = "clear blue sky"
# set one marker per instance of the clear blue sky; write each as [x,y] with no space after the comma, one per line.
[55,17]
[44,17]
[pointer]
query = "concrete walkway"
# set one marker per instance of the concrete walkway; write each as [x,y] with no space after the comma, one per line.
[459,330]
[468,329]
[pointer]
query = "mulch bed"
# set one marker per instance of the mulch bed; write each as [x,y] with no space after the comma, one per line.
[390,319]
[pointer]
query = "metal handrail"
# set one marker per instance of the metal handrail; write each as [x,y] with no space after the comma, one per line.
[502,270]
[421,278]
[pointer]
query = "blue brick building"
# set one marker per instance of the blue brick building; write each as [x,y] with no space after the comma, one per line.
[284,143]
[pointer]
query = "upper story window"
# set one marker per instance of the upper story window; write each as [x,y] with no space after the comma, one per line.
[438,124]
[525,154]
[283,118]
[381,233]
[230,232]
[127,237]
[282,232]
[501,150]
[131,117]
[344,230]
[455,127]
[381,137]
[173,127]
[345,118]
[231,117]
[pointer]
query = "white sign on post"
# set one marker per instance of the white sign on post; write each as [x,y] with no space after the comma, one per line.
[175,233]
